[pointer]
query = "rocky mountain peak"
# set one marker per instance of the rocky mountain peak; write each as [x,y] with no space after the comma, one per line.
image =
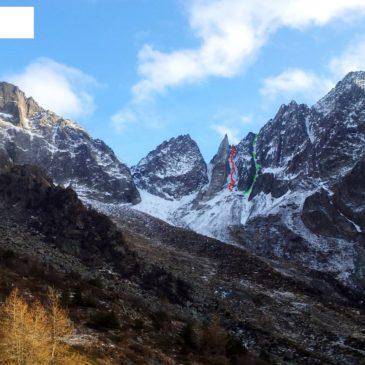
[223,151]
[16,106]
[357,77]
[286,111]
[68,154]
[218,169]
[350,90]
[174,169]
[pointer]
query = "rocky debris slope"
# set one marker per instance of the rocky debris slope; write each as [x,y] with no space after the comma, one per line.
[298,192]
[147,270]
[174,169]
[178,280]
[68,227]
[31,135]
[49,238]
[286,316]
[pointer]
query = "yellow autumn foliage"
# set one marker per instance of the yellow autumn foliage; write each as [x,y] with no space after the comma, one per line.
[36,334]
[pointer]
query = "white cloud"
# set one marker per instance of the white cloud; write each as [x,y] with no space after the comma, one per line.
[296,81]
[62,89]
[246,119]
[352,59]
[230,33]
[123,118]
[232,133]
[231,122]
[310,85]
[136,116]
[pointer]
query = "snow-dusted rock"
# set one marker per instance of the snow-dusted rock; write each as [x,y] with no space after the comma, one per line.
[31,135]
[218,170]
[174,169]
[299,193]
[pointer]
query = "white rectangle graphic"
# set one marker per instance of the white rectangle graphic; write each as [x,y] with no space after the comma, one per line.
[17,22]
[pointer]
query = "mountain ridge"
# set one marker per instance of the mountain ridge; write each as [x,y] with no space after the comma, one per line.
[299,152]
[32,135]
[300,156]
[289,285]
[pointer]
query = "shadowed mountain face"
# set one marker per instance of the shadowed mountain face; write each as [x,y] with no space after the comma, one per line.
[31,135]
[57,213]
[299,193]
[218,169]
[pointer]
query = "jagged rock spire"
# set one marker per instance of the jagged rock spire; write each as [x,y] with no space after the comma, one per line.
[219,169]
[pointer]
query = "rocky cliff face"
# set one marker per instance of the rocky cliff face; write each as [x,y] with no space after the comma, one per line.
[310,157]
[299,189]
[299,192]
[298,202]
[31,135]
[218,170]
[174,169]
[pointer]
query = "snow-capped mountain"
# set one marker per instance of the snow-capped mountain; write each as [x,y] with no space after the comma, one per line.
[174,169]
[31,135]
[299,182]
[299,196]
[300,191]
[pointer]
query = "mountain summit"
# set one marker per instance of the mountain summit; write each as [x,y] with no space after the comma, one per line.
[174,169]
[15,105]
[32,135]
[298,187]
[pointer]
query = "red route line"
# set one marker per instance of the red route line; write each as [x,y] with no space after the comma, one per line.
[232,166]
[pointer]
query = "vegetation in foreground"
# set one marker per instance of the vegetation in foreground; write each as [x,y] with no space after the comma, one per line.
[41,332]
[36,333]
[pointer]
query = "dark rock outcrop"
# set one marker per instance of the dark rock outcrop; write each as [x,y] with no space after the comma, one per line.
[349,195]
[322,217]
[61,217]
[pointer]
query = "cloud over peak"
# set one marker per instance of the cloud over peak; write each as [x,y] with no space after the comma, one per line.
[295,81]
[57,87]
[292,82]
[230,33]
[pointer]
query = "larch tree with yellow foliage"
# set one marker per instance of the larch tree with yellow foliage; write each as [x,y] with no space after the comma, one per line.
[36,334]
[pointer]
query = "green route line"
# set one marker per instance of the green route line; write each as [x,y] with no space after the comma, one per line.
[257,166]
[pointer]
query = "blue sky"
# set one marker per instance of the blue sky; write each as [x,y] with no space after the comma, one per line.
[137,72]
